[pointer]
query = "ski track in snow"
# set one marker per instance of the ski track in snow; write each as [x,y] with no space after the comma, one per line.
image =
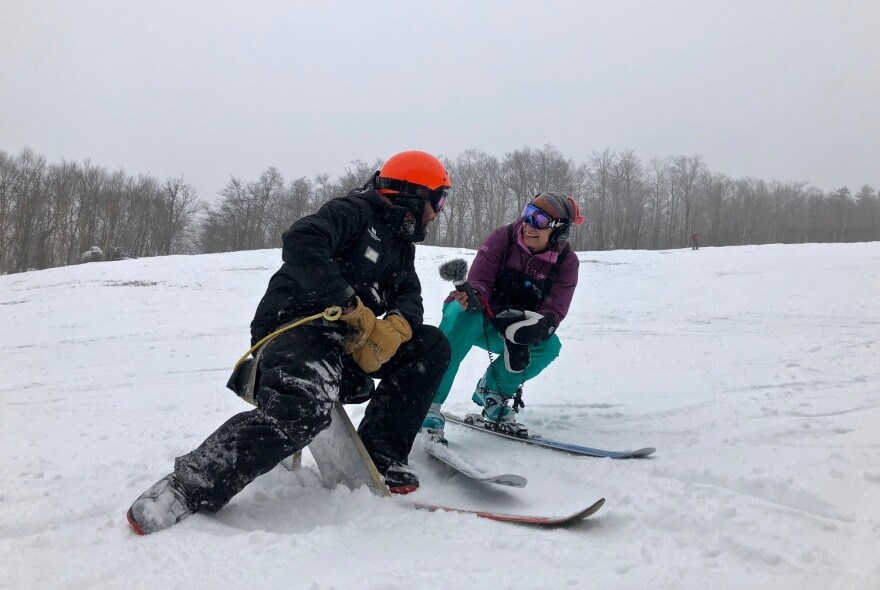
[754,372]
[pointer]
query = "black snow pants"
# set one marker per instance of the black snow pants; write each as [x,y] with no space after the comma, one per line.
[301,372]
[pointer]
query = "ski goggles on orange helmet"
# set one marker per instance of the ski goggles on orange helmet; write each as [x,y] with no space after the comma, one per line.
[437,197]
[540,219]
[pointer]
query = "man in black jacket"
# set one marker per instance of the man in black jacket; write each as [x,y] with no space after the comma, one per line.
[356,253]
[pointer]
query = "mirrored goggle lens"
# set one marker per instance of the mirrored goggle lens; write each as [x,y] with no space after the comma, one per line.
[439,198]
[537,218]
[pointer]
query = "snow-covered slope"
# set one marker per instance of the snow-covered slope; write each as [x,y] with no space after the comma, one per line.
[753,370]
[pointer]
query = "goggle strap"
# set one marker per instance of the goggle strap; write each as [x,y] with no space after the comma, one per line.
[403,186]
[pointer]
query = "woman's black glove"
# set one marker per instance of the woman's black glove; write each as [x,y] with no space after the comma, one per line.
[517,357]
[531,329]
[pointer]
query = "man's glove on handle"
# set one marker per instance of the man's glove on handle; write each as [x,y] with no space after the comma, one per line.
[531,330]
[361,321]
[382,343]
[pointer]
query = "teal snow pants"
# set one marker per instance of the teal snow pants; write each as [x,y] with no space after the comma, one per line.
[464,329]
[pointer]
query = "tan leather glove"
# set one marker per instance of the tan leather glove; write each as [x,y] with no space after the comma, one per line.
[361,321]
[384,340]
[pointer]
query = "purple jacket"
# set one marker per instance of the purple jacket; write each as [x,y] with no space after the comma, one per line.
[487,264]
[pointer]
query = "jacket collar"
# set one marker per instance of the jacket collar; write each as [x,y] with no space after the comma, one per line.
[390,215]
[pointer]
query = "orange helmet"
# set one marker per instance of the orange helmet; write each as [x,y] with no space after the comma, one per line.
[410,179]
[414,167]
[415,174]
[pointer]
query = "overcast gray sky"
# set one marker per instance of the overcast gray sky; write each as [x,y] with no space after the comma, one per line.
[784,89]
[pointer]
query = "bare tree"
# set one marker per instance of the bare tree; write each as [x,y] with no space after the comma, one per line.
[8,182]
[479,199]
[628,200]
[601,170]
[29,203]
[180,206]
[657,176]
[356,174]
[290,204]
[866,218]
[269,189]
[688,174]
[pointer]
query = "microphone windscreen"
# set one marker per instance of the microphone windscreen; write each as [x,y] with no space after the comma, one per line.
[454,270]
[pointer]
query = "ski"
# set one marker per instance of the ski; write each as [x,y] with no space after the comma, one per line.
[454,461]
[342,459]
[476,422]
[541,521]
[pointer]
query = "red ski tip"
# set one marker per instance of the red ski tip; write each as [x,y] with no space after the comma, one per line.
[403,489]
[134,525]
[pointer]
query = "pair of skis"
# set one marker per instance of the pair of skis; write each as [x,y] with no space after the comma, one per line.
[451,459]
[342,458]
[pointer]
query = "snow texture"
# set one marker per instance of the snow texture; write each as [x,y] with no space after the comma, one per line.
[755,371]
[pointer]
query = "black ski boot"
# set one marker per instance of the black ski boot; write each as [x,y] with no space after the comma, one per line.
[163,505]
[400,479]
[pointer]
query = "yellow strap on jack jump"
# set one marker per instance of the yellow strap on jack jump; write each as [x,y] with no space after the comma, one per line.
[332,313]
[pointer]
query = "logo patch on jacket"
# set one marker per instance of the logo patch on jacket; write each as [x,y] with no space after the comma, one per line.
[371,255]
[373,234]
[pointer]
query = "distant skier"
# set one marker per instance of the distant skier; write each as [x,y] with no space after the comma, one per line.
[524,275]
[357,253]
[695,241]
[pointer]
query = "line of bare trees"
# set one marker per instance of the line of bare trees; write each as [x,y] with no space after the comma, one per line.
[659,204]
[51,213]
[253,215]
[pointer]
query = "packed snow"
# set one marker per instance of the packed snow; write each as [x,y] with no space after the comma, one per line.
[754,371]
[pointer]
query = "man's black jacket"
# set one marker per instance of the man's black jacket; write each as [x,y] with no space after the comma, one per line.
[352,246]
